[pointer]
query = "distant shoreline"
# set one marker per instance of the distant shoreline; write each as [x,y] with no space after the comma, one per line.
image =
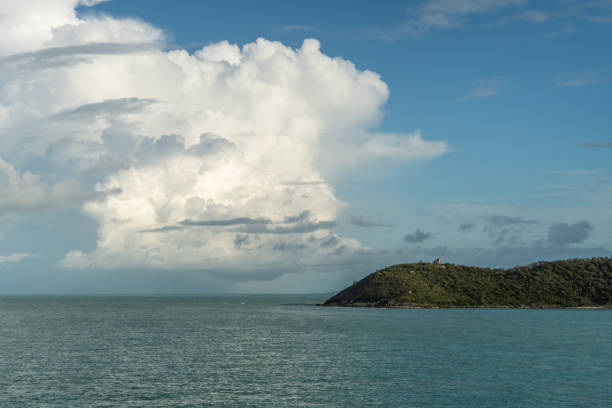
[374,306]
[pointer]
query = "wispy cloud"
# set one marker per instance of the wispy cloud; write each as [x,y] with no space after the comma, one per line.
[568,12]
[597,145]
[577,79]
[294,27]
[599,19]
[16,257]
[454,14]
[442,15]
[483,88]
[578,172]
[535,16]
[528,16]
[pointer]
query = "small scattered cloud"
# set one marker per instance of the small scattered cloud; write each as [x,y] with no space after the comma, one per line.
[392,146]
[494,221]
[504,229]
[16,257]
[562,233]
[482,88]
[362,222]
[467,226]
[501,229]
[417,236]
[505,220]
[294,27]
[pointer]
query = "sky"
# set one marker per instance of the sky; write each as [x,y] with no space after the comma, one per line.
[294,147]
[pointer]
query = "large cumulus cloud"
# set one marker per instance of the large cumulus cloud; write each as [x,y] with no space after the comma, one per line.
[186,142]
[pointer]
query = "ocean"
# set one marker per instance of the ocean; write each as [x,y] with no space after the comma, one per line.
[282,351]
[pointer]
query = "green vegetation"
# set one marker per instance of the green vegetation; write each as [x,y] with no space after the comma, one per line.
[568,283]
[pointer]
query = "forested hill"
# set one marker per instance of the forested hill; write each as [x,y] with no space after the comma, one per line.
[567,283]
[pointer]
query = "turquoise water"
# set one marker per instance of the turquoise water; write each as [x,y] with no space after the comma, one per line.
[280,351]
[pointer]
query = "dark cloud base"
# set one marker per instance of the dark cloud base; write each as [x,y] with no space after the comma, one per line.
[362,222]
[417,236]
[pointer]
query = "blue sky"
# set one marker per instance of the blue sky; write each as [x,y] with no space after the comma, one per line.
[511,99]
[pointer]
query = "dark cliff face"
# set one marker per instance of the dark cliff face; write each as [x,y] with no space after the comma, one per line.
[568,283]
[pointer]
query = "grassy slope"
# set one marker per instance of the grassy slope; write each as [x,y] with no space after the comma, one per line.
[570,283]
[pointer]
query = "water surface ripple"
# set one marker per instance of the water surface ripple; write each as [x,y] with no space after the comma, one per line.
[280,351]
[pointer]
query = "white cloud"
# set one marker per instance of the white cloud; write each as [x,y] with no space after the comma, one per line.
[16,257]
[33,24]
[226,133]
